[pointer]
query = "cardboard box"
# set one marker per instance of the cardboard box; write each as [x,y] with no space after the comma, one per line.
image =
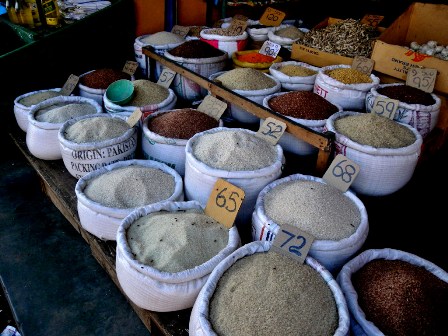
[421,22]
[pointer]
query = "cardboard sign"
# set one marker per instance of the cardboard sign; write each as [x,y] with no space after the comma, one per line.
[166,77]
[182,31]
[385,107]
[270,48]
[69,85]
[212,106]
[133,119]
[341,173]
[363,64]
[271,130]
[130,67]
[272,17]
[422,78]
[224,202]
[372,20]
[292,242]
[237,27]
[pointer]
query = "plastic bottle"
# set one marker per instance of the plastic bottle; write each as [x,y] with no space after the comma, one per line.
[51,12]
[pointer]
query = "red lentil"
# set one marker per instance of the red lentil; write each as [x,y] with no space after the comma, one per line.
[102,78]
[407,94]
[196,49]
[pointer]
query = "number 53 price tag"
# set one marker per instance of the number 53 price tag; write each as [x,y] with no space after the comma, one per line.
[293,242]
[224,202]
[341,173]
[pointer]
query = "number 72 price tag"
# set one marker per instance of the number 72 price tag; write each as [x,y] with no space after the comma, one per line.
[224,202]
[341,173]
[293,242]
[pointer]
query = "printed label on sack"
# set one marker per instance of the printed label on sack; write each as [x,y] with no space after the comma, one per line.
[182,31]
[237,27]
[134,117]
[272,17]
[363,64]
[69,85]
[341,173]
[166,77]
[372,20]
[292,242]
[385,107]
[212,106]
[422,78]
[130,67]
[224,202]
[271,130]
[270,48]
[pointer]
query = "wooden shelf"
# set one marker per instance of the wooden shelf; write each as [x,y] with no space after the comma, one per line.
[323,141]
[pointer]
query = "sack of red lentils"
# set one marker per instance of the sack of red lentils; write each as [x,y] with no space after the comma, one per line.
[166,252]
[344,85]
[417,108]
[393,292]
[258,292]
[338,221]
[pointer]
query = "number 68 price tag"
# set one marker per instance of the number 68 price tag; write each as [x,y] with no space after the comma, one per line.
[293,242]
[224,202]
[341,173]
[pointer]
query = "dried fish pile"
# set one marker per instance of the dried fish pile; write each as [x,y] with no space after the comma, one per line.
[348,38]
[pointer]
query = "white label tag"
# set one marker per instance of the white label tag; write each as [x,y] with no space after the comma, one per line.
[292,242]
[69,85]
[341,173]
[182,31]
[363,64]
[134,117]
[271,130]
[237,27]
[423,79]
[270,49]
[385,107]
[212,106]
[166,77]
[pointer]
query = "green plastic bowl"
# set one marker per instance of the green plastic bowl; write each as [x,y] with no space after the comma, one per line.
[120,92]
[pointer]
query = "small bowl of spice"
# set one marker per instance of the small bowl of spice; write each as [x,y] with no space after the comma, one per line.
[254,59]
[120,92]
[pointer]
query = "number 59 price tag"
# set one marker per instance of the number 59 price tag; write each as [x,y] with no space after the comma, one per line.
[293,242]
[341,173]
[385,107]
[224,202]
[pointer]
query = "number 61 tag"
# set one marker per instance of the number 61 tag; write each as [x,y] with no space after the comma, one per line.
[341,173]
[224,202]
[293,242]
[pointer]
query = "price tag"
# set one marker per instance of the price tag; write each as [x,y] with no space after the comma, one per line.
[237,27]
[272,17]
[134,117]
[422,78]
[270,48]
[212,106]
[224,202]
[69,85]
[182,31]
[166,77]
[271,130]
[363,64]
[341,173]
[385,107]
[372,20]
[130,67]
[292,242]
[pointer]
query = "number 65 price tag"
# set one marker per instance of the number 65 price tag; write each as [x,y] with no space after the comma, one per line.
[293,242]
[341,173]
[224,202]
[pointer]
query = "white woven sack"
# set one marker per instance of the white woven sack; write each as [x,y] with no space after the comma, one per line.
[332,254]
[142,59]
[199,319]
[82,158]
[291,143]
[103,221]
[167,104]
[170,151]
[285,42]
[423,118]
[160,291]
[186,88]
[349,96]
[228,44]
[42,137]
[359,325]
[294,83]
[382,170]
[21,111]
[200,178]
[256,96]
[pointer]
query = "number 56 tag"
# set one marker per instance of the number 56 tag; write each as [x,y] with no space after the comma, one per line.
[293,242]
[341,173]
[224,202]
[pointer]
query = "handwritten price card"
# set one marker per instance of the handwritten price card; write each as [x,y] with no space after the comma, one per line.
[237,27]
[385,107]
[341,173]
[272,17]
[224,202]
[270,49]
[166,77]
[271,130]
[372,20]
[292,242]
[69,85]
[422,78]
[363,64]
[212,106]
[130,67]
[182,31]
